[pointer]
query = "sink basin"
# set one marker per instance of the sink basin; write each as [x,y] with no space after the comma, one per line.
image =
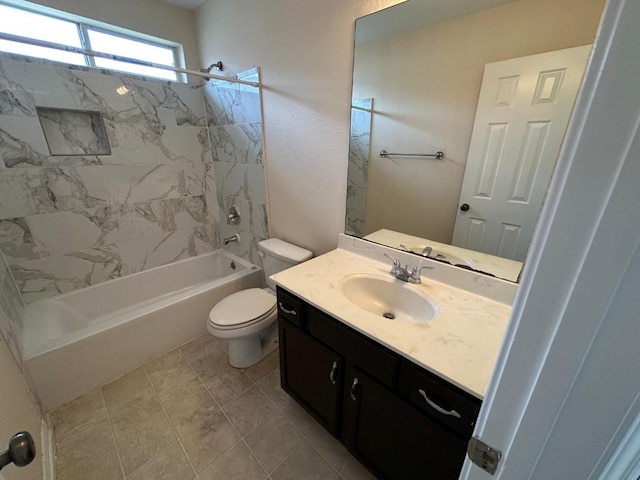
[388,298]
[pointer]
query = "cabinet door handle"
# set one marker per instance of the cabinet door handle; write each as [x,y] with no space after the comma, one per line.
[437,407]
[287,310]
[354,389]
[332,373]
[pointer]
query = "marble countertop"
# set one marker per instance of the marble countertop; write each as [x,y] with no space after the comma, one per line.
[460,345]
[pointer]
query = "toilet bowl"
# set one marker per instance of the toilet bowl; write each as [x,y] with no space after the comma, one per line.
[247,318]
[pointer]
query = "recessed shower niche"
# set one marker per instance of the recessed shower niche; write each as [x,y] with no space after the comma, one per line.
[73,132]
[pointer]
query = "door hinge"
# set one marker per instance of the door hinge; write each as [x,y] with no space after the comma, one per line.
[482,455]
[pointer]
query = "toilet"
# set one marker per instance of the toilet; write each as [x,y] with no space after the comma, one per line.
[247,318]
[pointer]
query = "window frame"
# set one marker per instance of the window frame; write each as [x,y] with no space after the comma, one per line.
[83,25]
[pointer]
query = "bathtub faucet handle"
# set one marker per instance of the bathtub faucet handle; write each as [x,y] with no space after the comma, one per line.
[234,216]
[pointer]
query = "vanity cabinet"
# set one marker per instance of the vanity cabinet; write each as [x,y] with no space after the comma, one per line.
[311,373]
[401,421]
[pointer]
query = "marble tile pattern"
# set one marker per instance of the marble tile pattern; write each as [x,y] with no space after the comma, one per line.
[71,221]
[74,132]
[189,415]
[235,133]
[11,312]
[359,146]
[460,344]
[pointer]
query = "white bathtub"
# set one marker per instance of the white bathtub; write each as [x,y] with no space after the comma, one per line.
[79,340]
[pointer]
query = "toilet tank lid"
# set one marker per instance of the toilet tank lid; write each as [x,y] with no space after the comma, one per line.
[285,251]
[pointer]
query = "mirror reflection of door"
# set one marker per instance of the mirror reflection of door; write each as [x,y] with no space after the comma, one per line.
[523,110]
[422,62]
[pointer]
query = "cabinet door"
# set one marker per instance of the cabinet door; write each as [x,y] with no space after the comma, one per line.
[311,373]
[393,439]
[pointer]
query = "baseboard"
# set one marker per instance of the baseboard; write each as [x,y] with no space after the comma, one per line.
[48,450]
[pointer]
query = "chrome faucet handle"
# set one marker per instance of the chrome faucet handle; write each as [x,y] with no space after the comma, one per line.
[415,273]
[234,216]
[426,251]
[396,263]
[397,270]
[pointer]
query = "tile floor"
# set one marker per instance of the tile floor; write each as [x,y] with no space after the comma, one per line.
[189,415]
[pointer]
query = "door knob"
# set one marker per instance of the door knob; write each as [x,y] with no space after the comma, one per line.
[21,450]
[464,207]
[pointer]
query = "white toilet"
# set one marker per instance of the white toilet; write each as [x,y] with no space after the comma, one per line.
[247,318]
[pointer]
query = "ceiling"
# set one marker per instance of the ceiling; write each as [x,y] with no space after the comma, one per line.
[415,14]
[188,4]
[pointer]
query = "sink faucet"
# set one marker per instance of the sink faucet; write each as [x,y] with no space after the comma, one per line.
[425,252]
[402,273]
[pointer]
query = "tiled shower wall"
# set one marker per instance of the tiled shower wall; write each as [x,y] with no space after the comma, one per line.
[67,222]
[11,312]
[359,146]
[235,130]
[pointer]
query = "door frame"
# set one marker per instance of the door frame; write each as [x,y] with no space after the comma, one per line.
[572,295]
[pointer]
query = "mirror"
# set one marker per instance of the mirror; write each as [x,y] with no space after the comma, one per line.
[417,82]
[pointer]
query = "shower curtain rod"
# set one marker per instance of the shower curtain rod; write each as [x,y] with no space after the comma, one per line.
[119,58]
[364,109]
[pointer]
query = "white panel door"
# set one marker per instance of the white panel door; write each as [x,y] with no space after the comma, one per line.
[523,110]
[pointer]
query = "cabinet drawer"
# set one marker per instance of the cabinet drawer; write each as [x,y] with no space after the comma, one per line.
[442,402]
[364,353]
[291,308]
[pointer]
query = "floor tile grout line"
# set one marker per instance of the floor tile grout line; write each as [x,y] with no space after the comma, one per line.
[291,453]
[322,456]
[175,431]
[253,454]
[197,426]
[242,437]
[228,420]
[304,436]
[113,433]
[281,411]
[277,408]
[210,393]
[221,408]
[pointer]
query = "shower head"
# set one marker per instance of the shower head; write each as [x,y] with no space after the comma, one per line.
[217,65]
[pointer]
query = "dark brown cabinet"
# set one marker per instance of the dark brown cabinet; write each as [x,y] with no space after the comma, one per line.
[399,420]
[311,373]
[393,439]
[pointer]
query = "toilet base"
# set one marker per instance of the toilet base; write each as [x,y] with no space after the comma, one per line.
[247,351]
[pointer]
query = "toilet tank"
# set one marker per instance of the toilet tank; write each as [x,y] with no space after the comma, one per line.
[278,255]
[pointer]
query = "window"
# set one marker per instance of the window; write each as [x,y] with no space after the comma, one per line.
[41,26]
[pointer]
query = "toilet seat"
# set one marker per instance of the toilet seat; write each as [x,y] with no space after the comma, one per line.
[242,309]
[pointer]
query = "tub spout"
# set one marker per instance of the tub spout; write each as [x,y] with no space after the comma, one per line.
[232,238]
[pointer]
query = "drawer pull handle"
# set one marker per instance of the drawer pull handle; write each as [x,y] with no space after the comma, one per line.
[437,407]
[354,390]
[332,373]
[287,310]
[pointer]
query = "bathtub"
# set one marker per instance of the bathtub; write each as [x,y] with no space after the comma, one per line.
[80,340]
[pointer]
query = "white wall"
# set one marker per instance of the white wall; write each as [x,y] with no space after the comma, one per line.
[18,413]
[305,50]
[151,17]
